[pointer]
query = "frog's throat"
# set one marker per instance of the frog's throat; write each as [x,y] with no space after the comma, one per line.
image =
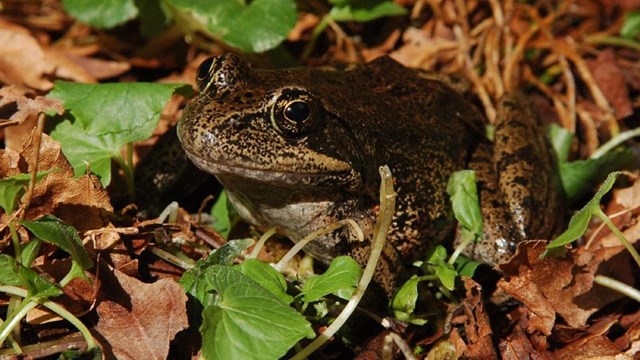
[346,179]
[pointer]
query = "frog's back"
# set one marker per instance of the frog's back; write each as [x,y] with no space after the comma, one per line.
[424,131]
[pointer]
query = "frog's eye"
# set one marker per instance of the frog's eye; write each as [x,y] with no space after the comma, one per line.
[297,111]
[293,113]
[203,74]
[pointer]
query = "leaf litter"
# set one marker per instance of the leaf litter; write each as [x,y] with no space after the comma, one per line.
[582,83]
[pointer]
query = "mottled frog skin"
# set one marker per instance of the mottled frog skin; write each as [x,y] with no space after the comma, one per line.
[299,149]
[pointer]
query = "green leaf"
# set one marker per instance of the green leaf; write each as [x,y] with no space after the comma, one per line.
[364,10]
[102,118]
[631,26]
[403,303]
[102,14]
[464,200]
[561,140]
[267,277]
[222,256]
[343,273]
[30,251]
[152,18]
[252,26]
[246,321]
[13,187]
[579,177]
[52,230]
[465,266]
[225,215]
[14,274]
[443,270]
[580,220]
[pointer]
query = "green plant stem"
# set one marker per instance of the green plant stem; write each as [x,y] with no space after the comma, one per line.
[618,233]
[618,286]
[322,25]
[263,239]
[14,318]
[128,174]
[380,230]
[613,40]
[61,311]
[615,141]
[15,239]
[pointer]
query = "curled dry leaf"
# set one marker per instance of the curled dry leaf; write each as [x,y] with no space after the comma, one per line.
[82,203]
[24,117]
[138,320]
[562,286]
[475,340]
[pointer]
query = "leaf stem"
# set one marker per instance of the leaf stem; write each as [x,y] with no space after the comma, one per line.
[322,25]
[617,286]
[58,309]
[14,318]
[381,228]
[598,212]
[615,141]
[128,172]
[15,239]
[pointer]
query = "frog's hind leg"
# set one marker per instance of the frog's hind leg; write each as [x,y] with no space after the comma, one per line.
[516,182]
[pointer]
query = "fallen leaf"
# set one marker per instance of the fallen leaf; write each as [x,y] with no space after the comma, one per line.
[82,203]
[476,340]
[609,77]
[25,108]
[138,320]
[22,60]
[562,286]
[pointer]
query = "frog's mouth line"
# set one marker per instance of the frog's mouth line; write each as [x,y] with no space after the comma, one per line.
[285,178]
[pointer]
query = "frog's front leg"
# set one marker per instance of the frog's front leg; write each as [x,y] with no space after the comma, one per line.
[518,189]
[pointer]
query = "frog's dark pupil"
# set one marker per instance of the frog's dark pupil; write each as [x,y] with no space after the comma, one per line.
[203,69]
[297,111]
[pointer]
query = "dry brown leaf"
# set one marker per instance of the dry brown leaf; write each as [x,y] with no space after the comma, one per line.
[562,286]
[23,118]
[589,347]
[609,77]
[22,60]
[475,341]
[138,320]
[82,203]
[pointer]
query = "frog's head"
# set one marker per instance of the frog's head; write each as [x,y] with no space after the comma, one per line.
[267,126]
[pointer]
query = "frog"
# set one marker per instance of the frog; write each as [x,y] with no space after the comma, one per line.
[299,149]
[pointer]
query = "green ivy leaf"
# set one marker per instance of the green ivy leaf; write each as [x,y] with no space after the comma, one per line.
[52,230]
[225,215]
[442,269]
[13,187]
[102,14]
[463,193]
[255,26]
[404,301]
[102,118]
[631,26]
[14,274]
[246,321]
[364,10]
[580,220]
[222,256]
[267,277]
[343,273]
